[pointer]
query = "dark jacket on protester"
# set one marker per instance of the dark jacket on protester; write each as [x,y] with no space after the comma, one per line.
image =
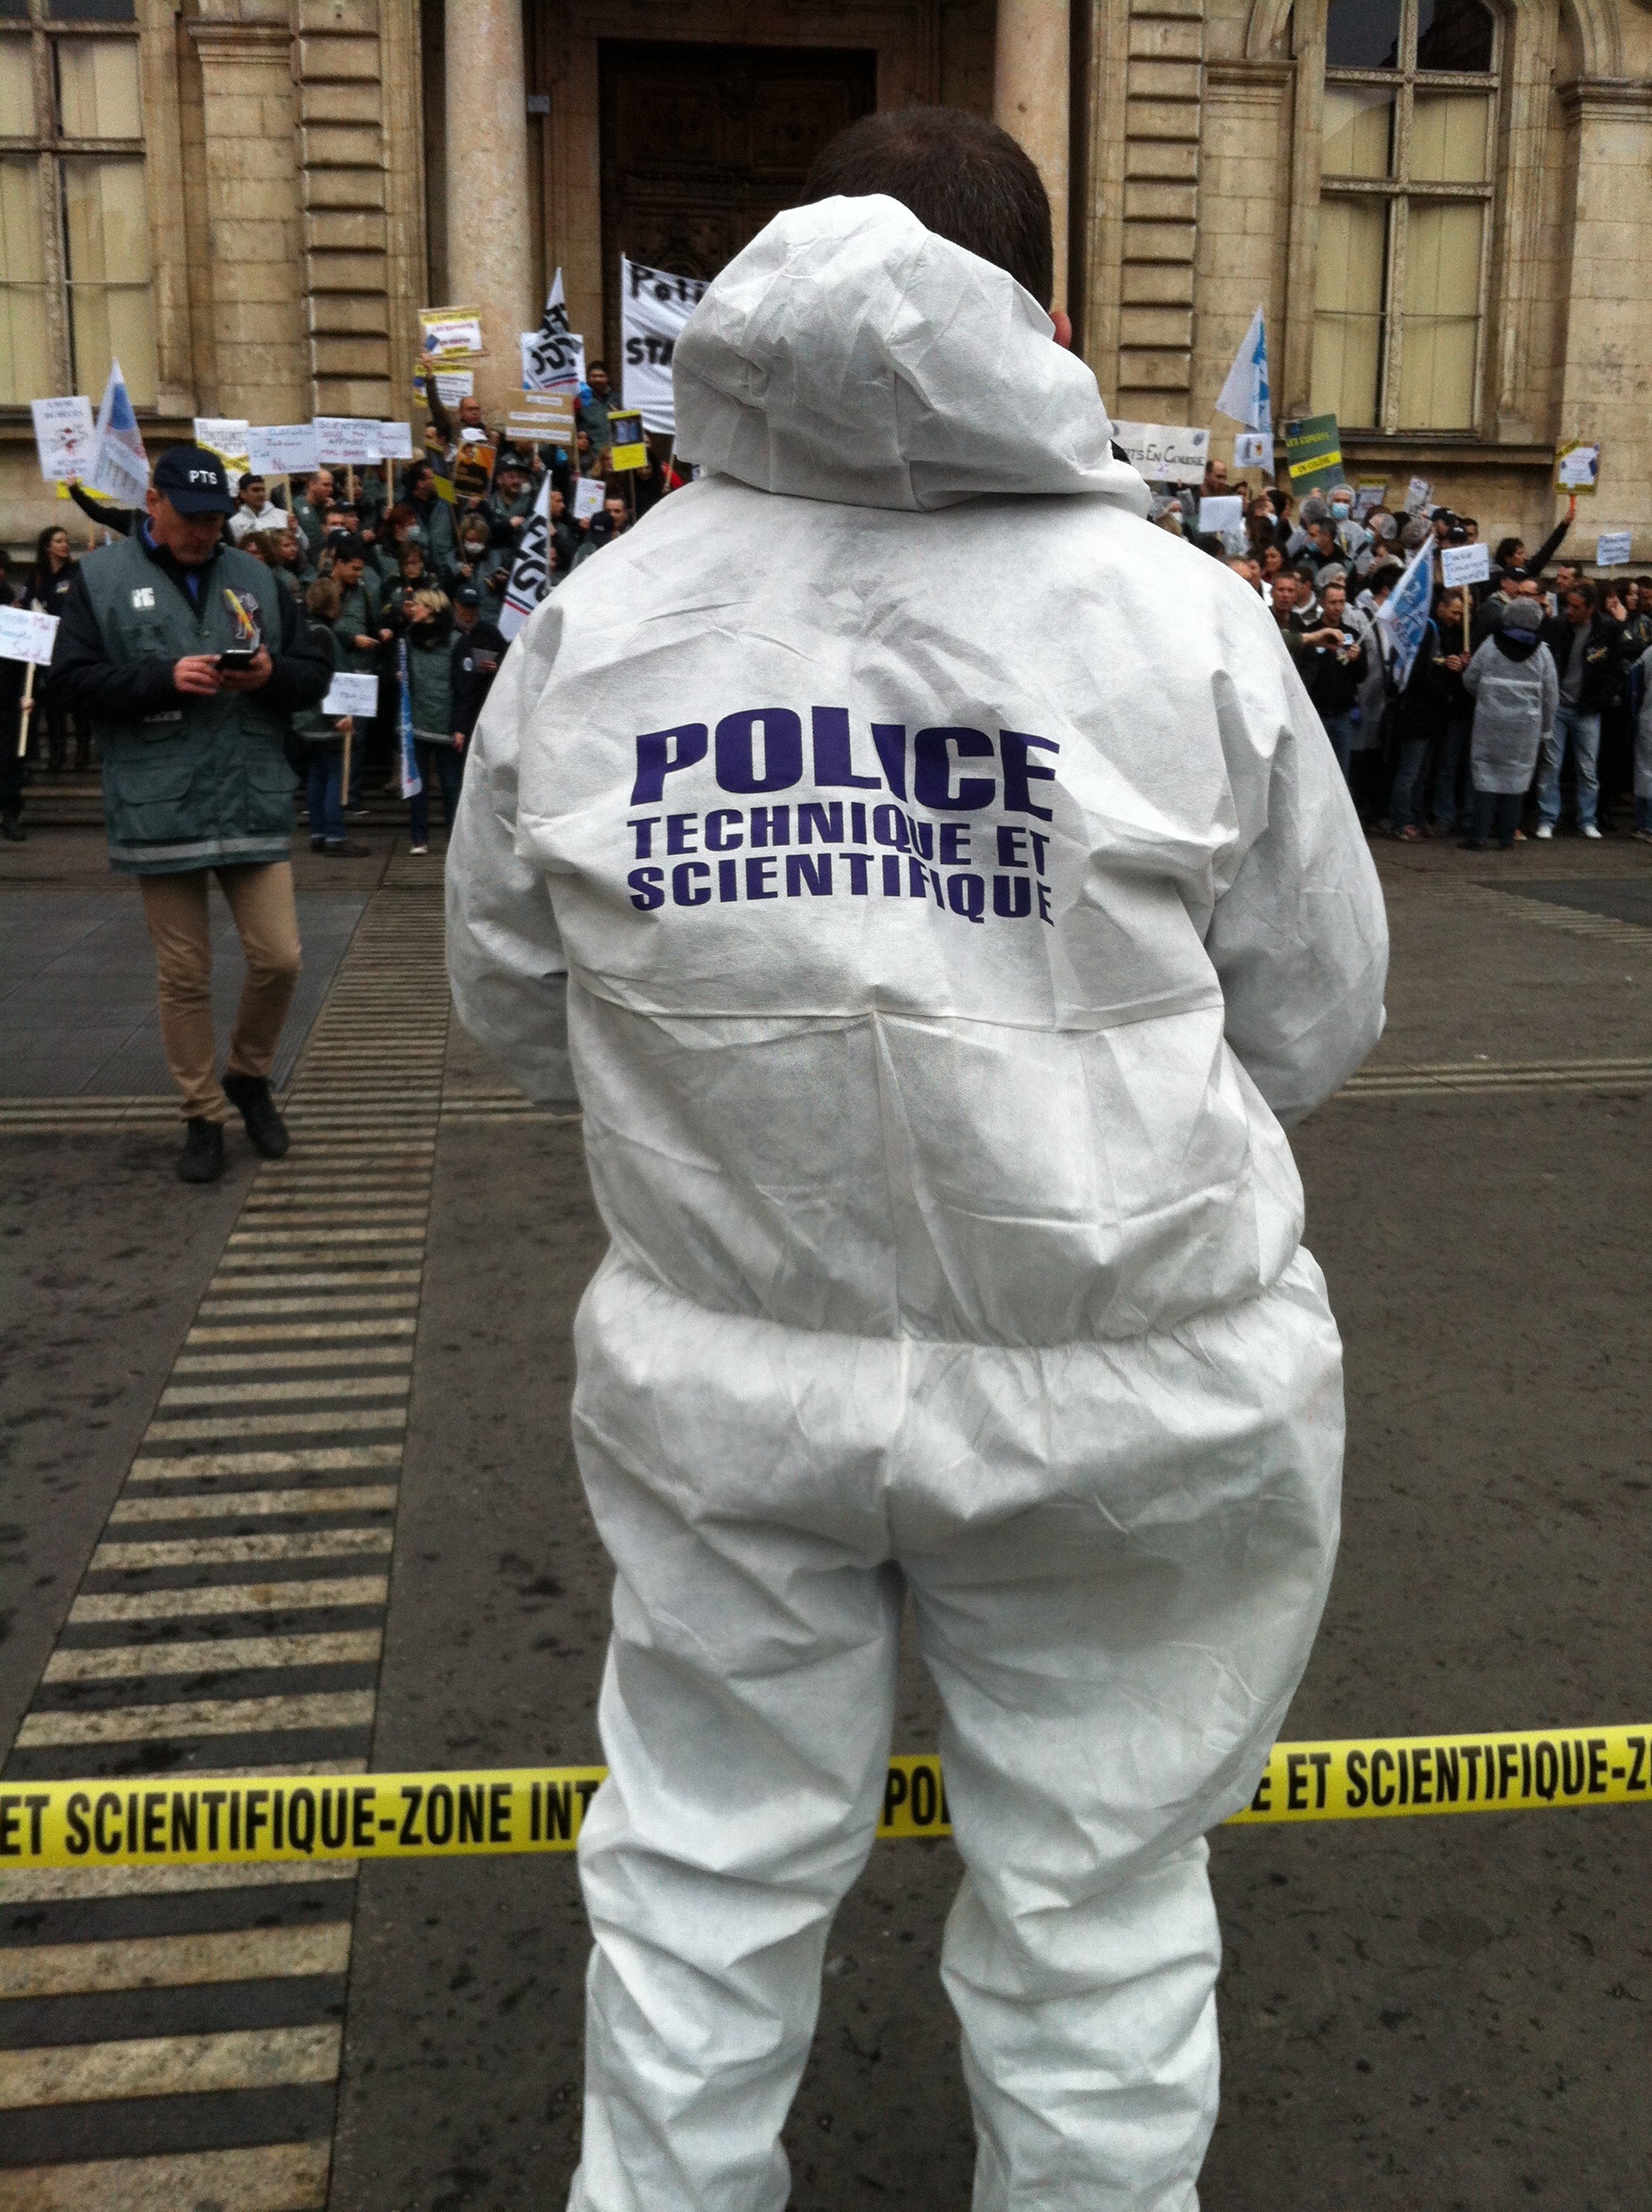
[50,592]
[1434,697]
[118,519]
[1603,658]
[476,654]
[188,782]
[1333,685]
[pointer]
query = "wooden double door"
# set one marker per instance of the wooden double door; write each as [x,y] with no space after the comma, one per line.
[702,145]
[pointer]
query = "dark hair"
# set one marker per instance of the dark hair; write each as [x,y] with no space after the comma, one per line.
[1505,552]
[1641,583]
[348,547]
[590,365]
[41,544]
[1581,588]
[962,178]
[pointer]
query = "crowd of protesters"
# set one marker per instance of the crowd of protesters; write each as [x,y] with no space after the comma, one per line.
[1528,693]
[400,577]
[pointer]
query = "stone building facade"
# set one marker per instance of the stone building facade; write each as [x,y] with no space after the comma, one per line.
[1440,203]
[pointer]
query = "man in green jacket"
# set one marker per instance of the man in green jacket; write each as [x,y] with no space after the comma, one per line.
[187,658]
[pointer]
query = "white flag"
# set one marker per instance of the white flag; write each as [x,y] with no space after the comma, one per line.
[653,307]
[530,570]
[552,357]
[1245,395]
[120,467]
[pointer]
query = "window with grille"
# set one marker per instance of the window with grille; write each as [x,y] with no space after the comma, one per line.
[75,289]
[1410,92]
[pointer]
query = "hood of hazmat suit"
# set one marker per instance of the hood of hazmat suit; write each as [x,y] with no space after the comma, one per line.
[938,891]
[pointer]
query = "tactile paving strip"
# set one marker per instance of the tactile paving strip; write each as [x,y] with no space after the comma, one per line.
[171,2038]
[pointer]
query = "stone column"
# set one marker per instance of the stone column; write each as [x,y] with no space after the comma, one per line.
[253,281]
[1031,101]
[489,258]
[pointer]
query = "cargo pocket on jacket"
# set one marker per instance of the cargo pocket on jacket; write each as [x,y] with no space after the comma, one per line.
[151,787]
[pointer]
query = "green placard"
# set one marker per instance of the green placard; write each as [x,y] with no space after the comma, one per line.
[1313,452]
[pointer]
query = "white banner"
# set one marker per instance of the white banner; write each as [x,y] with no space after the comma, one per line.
[226,435]
[653,308]
[453,384]
[352,694]
[395,442]
[120,467]
[1164,453]
[65,437]
[530,570]
[589,493]
[1464,564]
[347,441]
[283,449]
[1254,449]
[26,635]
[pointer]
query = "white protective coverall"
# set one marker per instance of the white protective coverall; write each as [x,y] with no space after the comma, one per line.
[950,891]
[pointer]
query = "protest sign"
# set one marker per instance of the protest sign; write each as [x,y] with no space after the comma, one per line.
[631,449]
[449,333]
[542,418]
[1164,453]
[407,752]
[120,467]
[530,570]
[589,493]
[352,694]
[1312,447]
[64,436]
[283,449]
[1577,468]
[1418,492]
[653,307]
[1613,548]
[228,437]
[1218,516]
[349,441]
[551,355]
[473,468]
[1370,496]
[453,384]
[395,442]
[1254,449]
[26,635]
[1464,564]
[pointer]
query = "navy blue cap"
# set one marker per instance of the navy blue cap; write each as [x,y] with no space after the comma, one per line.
[194,480]
[467,596]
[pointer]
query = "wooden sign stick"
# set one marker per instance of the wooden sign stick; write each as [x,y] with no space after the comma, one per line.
[27,710]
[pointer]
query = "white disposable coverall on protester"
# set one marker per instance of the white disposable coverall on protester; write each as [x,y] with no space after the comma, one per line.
[955,1242]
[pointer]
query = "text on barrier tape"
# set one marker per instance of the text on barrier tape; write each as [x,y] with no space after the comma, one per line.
[204,1821]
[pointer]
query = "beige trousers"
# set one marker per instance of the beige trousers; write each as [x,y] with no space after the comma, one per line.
[175,908]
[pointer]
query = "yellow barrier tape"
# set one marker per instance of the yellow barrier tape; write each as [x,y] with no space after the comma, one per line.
[200,1820]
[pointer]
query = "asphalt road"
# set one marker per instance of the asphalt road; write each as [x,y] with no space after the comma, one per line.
[1441,2014]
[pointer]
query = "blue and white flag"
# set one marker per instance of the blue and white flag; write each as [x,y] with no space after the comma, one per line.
[1404,615]
[412,783]
[120,467]
[1245,395]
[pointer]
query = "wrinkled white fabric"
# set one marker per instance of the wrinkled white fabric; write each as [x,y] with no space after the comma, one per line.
[940,890]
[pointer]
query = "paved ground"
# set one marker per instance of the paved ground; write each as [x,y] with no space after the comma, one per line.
[1439,2014]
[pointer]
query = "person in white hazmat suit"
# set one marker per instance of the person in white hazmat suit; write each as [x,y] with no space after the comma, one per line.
[936,890]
